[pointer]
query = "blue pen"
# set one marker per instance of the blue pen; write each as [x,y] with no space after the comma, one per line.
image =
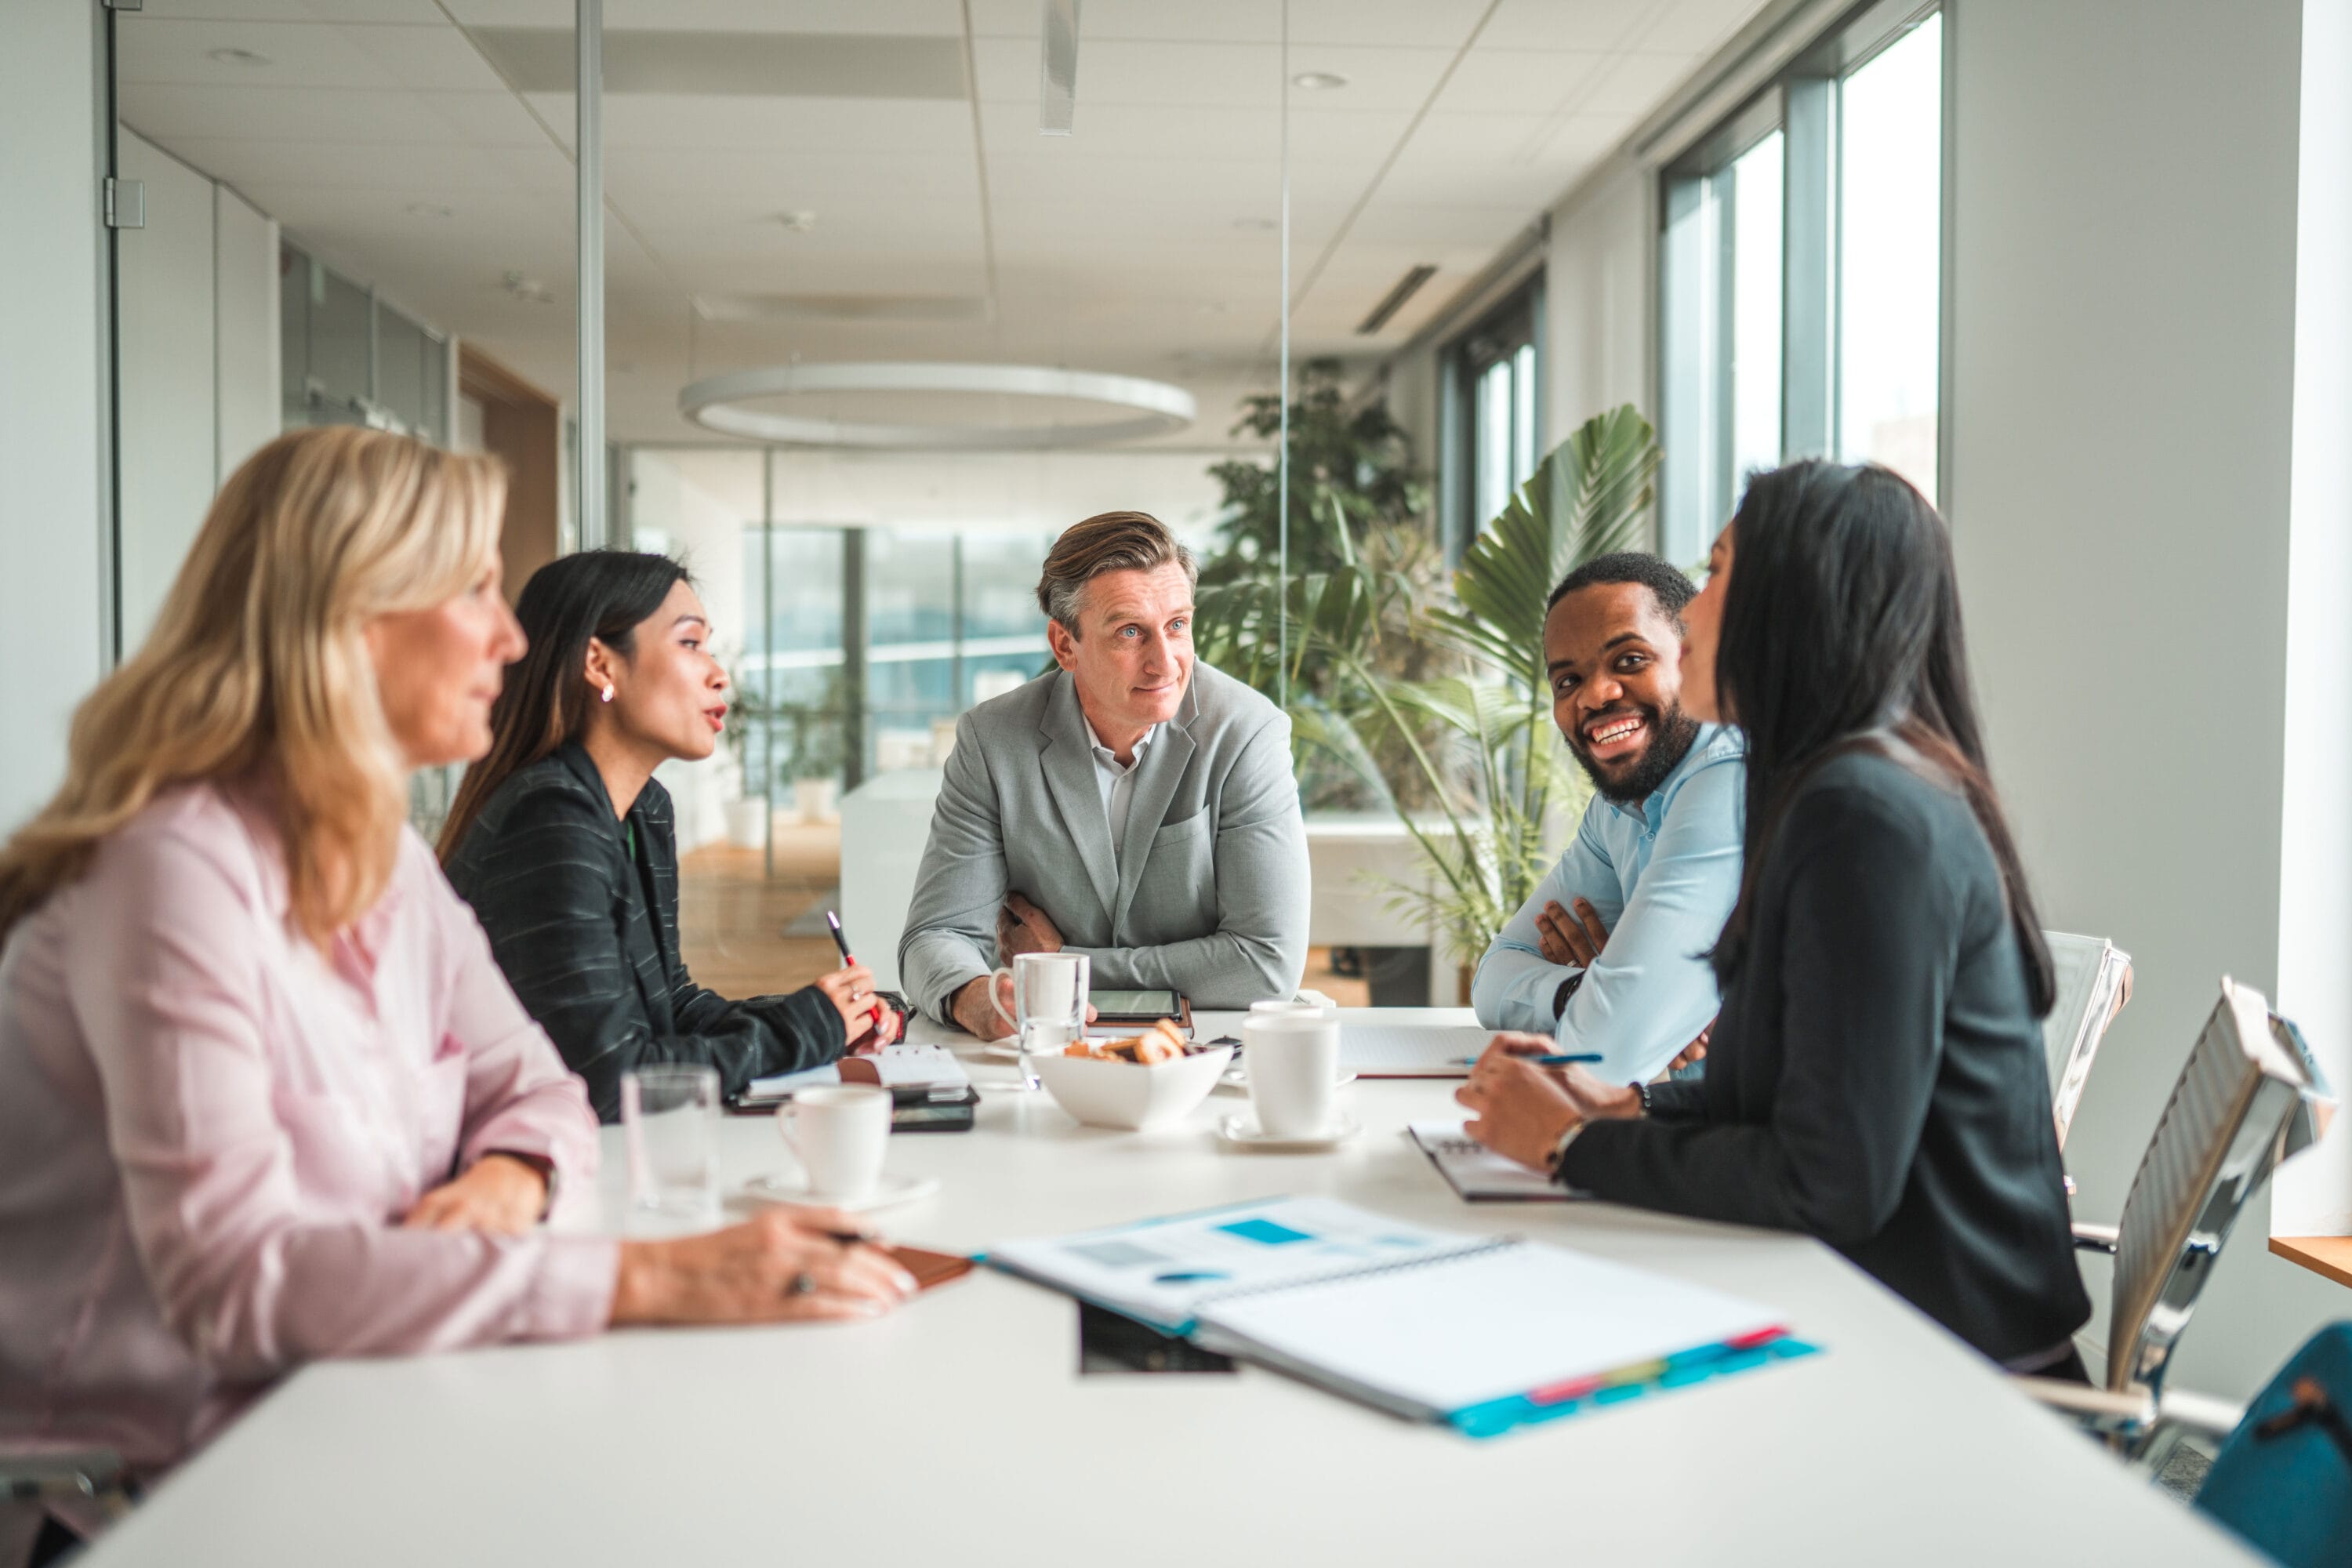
[1561,1060]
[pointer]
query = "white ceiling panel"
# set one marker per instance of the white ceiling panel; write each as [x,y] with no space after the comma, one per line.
[1526,81]
[155,49]
[436,57]
[1698,27]
[383,118]
[445,173]
[1214,76]
[1603,25]
[795,127]
[903,18]
[421,13]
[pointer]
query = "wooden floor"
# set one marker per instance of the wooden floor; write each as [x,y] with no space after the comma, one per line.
[731,916]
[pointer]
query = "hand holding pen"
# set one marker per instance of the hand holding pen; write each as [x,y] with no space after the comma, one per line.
[851,989]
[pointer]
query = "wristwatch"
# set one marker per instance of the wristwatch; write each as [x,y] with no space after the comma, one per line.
[1559,1149]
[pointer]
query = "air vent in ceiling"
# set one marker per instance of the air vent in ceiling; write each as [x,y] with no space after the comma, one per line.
[735,65]
[1393,301]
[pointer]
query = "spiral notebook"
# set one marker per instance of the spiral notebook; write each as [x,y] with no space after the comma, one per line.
[1478,1332]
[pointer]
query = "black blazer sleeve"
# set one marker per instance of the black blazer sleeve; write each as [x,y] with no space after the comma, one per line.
[1872,931]
[555,890]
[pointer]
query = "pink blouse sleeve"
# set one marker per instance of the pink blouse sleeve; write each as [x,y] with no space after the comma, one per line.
[166,978]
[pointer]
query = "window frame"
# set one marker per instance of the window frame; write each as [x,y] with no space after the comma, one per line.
[1802,100]
[1513,325]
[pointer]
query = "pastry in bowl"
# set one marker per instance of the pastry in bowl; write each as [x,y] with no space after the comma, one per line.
[1143,1082]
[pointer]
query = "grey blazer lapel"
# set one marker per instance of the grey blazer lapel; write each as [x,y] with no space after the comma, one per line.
[1155,785]
[1068,764]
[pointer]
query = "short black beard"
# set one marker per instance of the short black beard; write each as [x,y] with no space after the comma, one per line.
[1672,734]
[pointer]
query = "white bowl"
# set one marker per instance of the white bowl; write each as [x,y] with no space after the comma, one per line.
[1131,1097]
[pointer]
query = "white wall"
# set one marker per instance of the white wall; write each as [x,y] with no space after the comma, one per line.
[196,293]
[164,291]
[1600,299]
[2120,402]
[53,494]
[247,367]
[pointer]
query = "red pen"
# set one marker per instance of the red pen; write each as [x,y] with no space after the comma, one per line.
[832,921]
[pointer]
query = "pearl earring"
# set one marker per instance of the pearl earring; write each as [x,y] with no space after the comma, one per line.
[608,694]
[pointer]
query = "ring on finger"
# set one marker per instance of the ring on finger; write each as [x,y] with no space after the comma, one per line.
[804,1284]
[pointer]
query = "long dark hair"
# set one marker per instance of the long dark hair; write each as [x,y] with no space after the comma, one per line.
[1841,632]
[599,594]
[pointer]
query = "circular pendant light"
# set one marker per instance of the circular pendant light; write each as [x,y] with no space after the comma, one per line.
[1140,407]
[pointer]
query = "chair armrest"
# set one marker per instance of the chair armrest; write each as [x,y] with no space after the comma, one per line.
[2094,1409]
[2097,1238]
[2205,1412]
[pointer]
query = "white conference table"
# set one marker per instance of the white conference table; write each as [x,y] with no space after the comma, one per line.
[959,1429]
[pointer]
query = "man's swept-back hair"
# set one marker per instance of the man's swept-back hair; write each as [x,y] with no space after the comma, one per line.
[1666,583]
[1108,541]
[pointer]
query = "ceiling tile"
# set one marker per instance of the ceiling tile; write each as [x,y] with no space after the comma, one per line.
[150,49]
[799,127]
[421,13]
[879,17]
[383,118]
[1220,76]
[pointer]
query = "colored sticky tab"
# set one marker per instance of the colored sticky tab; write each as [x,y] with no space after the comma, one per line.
[1265,1230]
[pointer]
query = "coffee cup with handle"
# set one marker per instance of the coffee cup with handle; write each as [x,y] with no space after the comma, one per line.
[1292,1058]
[840,1133]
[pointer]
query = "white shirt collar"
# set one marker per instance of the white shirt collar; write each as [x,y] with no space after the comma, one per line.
[1104,754]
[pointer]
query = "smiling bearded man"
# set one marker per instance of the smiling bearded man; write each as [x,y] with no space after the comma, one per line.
[1608,954]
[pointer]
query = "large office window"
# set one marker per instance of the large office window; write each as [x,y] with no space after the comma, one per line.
[1722,257]
[1801,279]
[1889,267]
[1496,378]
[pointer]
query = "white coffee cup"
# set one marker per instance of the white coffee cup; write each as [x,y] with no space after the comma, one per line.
[1292,1059]
[839,1133]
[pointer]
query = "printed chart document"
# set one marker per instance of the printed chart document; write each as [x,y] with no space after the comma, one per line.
[1479,1175]
[1409,1050]
[895,1067]
[1482,1334]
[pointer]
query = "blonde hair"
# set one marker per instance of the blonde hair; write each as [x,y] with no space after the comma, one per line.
[258,664]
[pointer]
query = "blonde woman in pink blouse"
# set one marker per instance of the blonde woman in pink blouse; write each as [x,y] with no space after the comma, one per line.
[265,1096]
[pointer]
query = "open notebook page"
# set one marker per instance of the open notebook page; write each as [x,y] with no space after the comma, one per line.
[1487,1325]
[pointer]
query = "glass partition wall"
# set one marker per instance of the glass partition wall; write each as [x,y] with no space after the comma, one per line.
[875,301]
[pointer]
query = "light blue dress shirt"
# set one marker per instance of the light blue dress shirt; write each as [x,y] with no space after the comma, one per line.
[1662,878]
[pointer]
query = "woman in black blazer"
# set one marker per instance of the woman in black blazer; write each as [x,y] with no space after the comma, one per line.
[566,847]
[1877,1075]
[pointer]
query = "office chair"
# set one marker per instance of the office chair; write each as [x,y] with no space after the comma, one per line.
[2249,1095]
[2283,1481]
[2093,983]
[31,1483]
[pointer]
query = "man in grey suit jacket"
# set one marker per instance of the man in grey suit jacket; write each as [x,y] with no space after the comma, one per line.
[1130,805]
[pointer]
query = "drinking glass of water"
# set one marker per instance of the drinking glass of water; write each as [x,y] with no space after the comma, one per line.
[669,1120]
[1049,1006]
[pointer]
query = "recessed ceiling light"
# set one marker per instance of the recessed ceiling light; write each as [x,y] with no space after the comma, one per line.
[1254,225]
[1318,81]
[236,57]
[799,222]
[429,209]
[524,287]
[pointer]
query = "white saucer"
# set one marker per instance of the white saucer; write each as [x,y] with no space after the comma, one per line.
[791,1189]
[1241,1129]
[1238,1077]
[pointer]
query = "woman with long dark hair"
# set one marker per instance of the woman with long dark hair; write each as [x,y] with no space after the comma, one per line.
[564,844]
[1877,1075]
